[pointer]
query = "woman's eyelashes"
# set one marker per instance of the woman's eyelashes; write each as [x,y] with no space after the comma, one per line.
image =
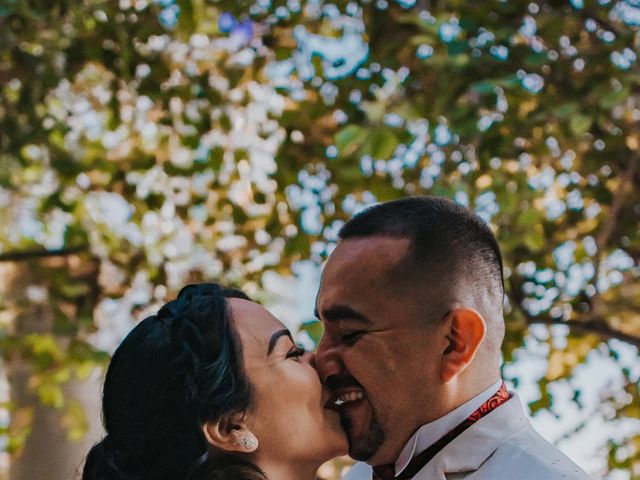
[296,352]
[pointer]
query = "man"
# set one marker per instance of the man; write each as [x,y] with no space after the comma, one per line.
[412,304]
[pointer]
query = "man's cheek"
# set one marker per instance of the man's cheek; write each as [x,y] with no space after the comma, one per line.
[364,371]
[368,367]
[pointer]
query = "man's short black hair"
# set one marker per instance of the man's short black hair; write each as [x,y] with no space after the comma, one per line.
[444,236]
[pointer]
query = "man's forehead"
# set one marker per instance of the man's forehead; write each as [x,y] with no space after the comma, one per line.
[360,266]
[379,274]
[376,253]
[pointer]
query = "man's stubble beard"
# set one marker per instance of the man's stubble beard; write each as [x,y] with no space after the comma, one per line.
[363,448]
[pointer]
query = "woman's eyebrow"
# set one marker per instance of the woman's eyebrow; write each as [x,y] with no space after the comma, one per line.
[275,337]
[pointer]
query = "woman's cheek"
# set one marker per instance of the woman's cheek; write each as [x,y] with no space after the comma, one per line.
[311,385]
[297,382]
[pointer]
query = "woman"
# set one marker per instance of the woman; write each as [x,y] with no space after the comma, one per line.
[213,387]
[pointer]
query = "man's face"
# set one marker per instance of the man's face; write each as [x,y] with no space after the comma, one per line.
[381,349]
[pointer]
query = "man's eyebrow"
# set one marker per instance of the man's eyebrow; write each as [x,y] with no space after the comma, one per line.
[343,312]
[274,339]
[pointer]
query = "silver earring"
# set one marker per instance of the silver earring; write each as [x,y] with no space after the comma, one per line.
[248,443]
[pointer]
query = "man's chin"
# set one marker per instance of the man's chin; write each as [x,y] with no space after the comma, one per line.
[363,430]
[361,454]
[363,447]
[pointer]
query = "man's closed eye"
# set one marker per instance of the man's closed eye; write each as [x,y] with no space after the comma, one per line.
[352,337]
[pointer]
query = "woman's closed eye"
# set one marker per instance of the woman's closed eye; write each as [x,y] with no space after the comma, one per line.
[296,352]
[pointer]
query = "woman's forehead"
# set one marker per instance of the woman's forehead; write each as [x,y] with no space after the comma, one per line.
[253,322]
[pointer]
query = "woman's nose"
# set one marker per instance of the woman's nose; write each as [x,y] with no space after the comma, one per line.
[310,358]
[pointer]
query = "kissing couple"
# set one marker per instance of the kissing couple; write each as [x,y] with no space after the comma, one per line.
[406,377]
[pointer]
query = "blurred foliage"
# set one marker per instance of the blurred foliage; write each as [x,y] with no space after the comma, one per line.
[147,144]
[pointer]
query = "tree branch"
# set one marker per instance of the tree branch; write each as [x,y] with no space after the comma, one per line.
[619,198]
[26,255]
[593,324]
[598,326]
[587,14]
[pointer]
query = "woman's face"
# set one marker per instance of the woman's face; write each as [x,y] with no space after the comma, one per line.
[288,415]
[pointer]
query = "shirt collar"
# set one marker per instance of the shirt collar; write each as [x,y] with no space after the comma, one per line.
[431,432]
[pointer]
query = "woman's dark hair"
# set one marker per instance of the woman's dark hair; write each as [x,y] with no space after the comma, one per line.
[174,372]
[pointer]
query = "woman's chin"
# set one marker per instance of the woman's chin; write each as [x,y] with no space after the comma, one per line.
[338,437]
[339,448]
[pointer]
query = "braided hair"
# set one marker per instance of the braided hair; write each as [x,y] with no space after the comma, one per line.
[174,372]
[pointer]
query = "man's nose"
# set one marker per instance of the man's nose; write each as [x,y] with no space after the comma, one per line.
[327,360]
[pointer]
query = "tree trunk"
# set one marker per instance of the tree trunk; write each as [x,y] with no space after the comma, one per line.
[47,454]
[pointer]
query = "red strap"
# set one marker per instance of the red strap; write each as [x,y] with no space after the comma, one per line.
[387,472]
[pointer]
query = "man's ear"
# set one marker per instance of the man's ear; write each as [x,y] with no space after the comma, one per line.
[466,330]
[231,434]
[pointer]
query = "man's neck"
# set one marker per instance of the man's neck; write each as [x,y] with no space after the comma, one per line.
[465,391]
[432,431]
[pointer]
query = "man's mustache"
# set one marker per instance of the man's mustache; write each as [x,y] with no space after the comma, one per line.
[341,381]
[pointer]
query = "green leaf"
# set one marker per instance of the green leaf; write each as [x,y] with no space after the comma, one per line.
[545,401]
[580,124]
[43,349]
[186,22]
[381,143]
[75,421]
[420,39]
[529,217]
[314,329]
[565,110]
[533,240]
[536,59]
[50,394]
[484,87]
[614,98]
[349,139]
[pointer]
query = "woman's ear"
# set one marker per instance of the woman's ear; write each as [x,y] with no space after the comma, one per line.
[467,329]
[231,434]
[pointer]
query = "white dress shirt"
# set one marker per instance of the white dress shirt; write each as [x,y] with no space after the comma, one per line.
[430,433]
[502,445]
